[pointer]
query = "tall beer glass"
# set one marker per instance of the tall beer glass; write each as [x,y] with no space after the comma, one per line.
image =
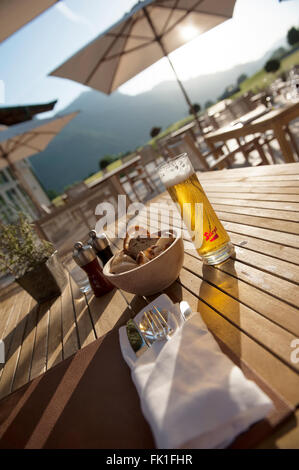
[208,234]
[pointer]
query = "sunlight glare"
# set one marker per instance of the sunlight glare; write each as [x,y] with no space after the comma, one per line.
[189,32]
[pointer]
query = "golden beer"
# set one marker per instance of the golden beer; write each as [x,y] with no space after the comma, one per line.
[208,234]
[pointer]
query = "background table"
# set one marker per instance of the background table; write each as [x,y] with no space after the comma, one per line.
[274,120]
[250,304]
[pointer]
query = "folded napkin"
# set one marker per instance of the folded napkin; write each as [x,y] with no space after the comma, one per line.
[192,395]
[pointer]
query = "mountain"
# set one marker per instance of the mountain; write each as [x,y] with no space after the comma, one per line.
[120,123]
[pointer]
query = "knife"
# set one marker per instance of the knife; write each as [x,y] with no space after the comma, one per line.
[136,338]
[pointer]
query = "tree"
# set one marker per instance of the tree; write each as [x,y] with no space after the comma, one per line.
[52,194]
[155,131]
[278,53]
[208,104]
[241,78]
[195,108]
[293,36]
[229,91]
[105,161]
[272,65]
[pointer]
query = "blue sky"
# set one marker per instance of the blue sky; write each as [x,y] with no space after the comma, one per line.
[30,54]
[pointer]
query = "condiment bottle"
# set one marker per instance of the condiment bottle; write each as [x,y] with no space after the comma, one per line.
[101,246]
[86,258]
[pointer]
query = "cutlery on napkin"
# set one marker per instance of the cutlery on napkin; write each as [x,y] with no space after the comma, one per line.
[192,395]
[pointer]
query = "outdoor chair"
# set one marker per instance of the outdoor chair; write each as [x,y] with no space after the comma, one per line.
[268,137]
[200,161]
[150,159]
[240,106]
[134,176]
[221,156]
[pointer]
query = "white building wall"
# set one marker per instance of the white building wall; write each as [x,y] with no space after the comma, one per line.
[37,190]
[12,197]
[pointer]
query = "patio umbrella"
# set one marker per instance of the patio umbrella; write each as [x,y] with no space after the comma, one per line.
[150,31]
[10,115]
[15,13]
[26,139]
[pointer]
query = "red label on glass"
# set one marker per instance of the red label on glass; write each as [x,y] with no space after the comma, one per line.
[211,236]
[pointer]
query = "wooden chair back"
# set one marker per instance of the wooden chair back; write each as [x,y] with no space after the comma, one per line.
[185,143]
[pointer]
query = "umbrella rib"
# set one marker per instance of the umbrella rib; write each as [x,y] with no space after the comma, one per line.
[105,53]
[134,36]
[170,16]
[120,54]
[184,16]
[31,136]
[25,142]
[3,153]
[159,40]
[12,147]
[192,9]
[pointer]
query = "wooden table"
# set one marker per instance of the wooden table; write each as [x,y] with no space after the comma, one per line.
[250,303]
[274,120]
[113,177]
[187,128]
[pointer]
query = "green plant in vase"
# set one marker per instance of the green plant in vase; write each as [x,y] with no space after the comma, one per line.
[33,262]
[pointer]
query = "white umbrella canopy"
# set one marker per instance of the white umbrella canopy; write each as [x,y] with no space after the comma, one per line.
[26,139]
[150,31]
[16,13]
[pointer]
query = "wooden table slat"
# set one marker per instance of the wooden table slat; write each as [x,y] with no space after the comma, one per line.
[285,216]
[69,328]
[13,343]
[250,204]
[285,239]
[40,353]
[84,323]
[55,339]
[11,322]
[265,170]
[23,371]
[254,197]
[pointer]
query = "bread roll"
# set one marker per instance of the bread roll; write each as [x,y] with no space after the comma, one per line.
[121,263]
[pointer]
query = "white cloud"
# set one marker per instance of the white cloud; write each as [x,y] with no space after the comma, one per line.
[70,15]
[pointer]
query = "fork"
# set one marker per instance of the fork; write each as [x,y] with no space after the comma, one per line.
[158,324]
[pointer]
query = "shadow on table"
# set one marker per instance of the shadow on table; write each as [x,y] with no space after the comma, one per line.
[271,442]
[26,324]
[219,304]
[86,401]
[9,291]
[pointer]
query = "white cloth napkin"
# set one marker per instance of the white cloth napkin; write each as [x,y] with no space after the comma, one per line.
[192,395]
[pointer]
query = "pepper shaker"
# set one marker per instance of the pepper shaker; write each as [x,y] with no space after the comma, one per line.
[101,246]
[86,258]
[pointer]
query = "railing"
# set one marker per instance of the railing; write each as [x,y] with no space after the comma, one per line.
[73,220]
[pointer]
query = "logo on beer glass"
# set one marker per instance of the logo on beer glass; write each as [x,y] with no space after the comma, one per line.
[2,92]
[2,352]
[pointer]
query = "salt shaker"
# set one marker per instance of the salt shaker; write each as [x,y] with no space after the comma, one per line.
[101,246]
[86,258]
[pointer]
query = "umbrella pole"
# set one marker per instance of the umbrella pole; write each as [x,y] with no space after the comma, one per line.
[182,88]
[159,41]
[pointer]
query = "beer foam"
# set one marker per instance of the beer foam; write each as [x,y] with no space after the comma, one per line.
[176,171]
